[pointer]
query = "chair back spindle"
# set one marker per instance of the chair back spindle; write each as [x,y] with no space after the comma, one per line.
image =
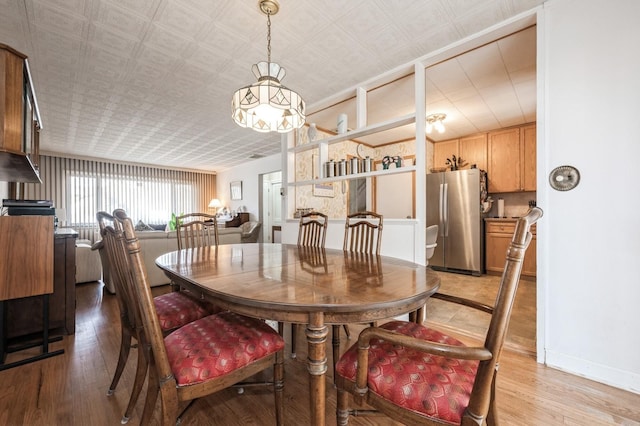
[196,230]
[312,230]
[363,232]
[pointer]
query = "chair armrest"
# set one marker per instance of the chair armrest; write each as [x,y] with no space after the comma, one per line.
[465,302]
[97,245]
[449,351]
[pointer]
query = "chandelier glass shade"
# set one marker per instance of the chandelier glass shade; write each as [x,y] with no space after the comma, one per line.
[267,105]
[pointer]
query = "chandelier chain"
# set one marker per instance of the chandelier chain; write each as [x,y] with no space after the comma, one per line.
[269,37]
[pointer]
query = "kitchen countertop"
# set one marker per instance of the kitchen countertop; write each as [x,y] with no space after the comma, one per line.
[500,219]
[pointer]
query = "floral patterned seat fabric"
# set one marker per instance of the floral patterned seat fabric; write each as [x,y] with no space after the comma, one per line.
[177,308]
[428,384]
[231,341]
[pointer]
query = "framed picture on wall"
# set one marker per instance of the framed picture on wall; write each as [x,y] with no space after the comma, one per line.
[236,190]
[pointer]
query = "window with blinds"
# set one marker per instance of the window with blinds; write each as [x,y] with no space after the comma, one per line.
[84,187]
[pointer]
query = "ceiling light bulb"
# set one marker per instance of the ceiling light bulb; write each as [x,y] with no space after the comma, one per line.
[429,127]
[439,126]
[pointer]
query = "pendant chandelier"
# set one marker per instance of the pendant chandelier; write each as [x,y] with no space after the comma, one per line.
[268,106]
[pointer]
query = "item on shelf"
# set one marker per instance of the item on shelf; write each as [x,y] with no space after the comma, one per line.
[342,123]
[367,164]
[312,132]
[342,168]
[386,161]
[354,165]
[329,169]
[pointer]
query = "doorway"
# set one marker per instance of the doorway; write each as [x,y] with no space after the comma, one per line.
[482,90]
[271,206]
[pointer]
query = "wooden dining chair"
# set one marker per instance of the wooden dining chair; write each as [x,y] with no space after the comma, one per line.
[362,235]
[173,309]
[196,230]
[312,229]
[363,232]
[418,375]
[200,358]
[312,234]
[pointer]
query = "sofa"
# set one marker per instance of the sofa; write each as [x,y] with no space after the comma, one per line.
[88,264]
[156,243]
[250,231]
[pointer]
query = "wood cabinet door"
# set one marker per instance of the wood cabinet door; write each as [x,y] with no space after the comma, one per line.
[11,101]
[443,150]
[473,150]
[528,135]
[504,171]
[496,251]
[530,260]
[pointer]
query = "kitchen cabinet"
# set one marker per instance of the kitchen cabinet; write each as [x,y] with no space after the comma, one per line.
[512,159]
[443,150]
[20,122]
[529,164]
[498,234]
[473,150]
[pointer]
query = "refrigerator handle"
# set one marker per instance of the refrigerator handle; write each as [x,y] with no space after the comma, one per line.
[445,208]
[440,211]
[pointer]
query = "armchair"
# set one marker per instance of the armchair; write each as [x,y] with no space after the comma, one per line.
[418,375]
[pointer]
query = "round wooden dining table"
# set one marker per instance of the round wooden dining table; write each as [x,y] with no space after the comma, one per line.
[316,287]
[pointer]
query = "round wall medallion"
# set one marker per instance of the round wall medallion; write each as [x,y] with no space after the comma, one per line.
[564,178]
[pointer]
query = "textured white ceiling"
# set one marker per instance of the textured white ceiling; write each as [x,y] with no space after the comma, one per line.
[150,81]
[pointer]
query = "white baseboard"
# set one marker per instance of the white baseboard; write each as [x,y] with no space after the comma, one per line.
[625,380]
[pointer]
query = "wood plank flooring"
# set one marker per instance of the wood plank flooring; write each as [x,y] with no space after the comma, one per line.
[71,389]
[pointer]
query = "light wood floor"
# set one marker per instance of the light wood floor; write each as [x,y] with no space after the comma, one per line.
[71,389]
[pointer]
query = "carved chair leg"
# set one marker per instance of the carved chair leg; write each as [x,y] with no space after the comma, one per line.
[347,331]
[342,409]
[335,340]
[278,386]
[294,337]
[125,346]
[138,383]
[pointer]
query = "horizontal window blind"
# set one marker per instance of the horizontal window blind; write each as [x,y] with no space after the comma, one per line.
[80,188]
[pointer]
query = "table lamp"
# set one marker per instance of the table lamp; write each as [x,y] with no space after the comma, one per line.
[215,204]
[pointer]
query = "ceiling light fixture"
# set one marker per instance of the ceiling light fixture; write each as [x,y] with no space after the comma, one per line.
[268,106]
[435,121]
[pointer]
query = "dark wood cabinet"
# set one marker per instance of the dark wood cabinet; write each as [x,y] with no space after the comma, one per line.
[20,121]
[237,221]
[24,316]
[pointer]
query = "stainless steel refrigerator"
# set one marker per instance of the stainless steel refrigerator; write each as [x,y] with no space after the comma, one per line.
[453,203]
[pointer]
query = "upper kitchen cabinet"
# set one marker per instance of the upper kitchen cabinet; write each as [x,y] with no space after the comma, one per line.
[443,151]
[470,150]
[473,150]
[512,160]
[20,122]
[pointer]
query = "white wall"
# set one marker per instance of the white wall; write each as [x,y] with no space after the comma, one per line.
[247,173]
[589,287]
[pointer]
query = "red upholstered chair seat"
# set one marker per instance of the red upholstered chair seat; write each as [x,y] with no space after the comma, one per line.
[416,380]
[177,308]
[218,344]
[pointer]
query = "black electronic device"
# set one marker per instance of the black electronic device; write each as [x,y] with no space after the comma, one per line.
[27,203]
[33,211]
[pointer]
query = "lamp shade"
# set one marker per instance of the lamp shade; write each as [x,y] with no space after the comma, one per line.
[268,106]
[215,203]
